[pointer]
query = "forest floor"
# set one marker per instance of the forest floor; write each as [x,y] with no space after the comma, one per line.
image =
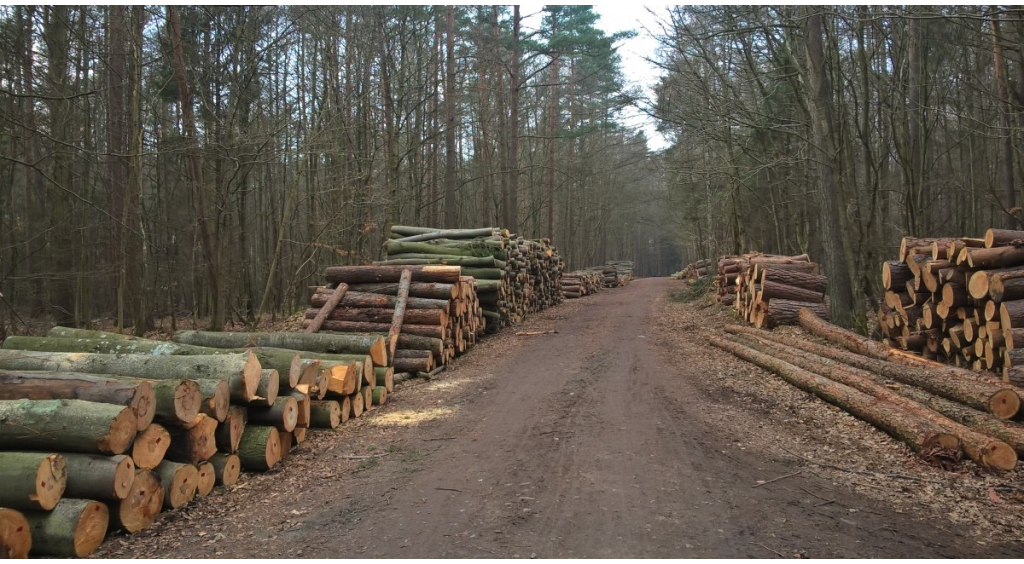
[623,435]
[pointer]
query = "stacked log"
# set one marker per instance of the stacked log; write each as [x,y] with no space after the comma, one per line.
[958,301]
[581,283]
[770,289]
[694,270]
[515,276]
[617,273]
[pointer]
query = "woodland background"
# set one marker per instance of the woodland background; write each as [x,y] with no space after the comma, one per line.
[209,162]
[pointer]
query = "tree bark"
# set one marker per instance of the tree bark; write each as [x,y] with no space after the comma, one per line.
[284,414]
[392,273]
[260,448]
[433,290]
[450,160]
[365,300]
[66,425]
[385,315]
[372,345]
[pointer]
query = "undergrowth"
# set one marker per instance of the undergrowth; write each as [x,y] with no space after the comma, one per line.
[697,289]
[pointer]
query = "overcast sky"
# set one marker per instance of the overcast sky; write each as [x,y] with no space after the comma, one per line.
[621,17]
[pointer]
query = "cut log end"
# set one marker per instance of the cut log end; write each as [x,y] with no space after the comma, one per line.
[999,455]
[188,401]
[124,477]
[206,478]
[51,479]
[15,534]
[179,481]
[1005,404]
[123,429]
[139,510]
[227,468]
[251,373]
[92,528]
[150,447]
[144,404]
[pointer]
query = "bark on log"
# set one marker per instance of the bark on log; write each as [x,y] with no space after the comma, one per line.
[302,409]
[980,448]
[32,480]
[372,345]
[355,299]
[952,383]
[140,509]
[325,414]
[179,482]
[995,257]
[385,315]
[1006,289]
[998,237]
[98,346]
[268,388]
[229,433]
[284,414]
[66,425]
[432,290]
[94,476]
[15,534]
[75,528]
[379,395]
[372,274]
[227,468]
[326,310]
[150,447]
[435,331]
[138,366]
[812,282]
[36,385]
[1011,314]
[772,290]
[260,448]
[786,312]
[414,364]
[385,376]
[193,442]
[919,433]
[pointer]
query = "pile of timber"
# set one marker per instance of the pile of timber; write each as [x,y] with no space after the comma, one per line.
[515,276]
[959,301]
[103,431]
[429,318]
[938,411]
[694,270]
[617,273]
[770,289]
[581,283]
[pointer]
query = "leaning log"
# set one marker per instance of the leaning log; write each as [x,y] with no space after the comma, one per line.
[75,528]
[66,425]
[36,385]
[325,311]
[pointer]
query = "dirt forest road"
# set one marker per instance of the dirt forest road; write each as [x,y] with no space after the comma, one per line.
[601,441]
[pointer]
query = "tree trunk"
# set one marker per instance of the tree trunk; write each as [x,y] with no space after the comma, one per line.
[360,300]
[385,315]
[66,425]
[177,401]
[787,312]
[150,447]
[32,480]
[75,528]
[92,476]
[140,509]
[372,345]
[450,155]
[284,414]
[435,331]
[392,273]
[433,290]
[325,414]
[820,86]
[35,385]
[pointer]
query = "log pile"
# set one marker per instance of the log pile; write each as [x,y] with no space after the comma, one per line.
[958,301]
[939,412]
[769,290]
[581,283]
[617,273]
[515,276]
[97,441]
[694,270]
[441,312]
